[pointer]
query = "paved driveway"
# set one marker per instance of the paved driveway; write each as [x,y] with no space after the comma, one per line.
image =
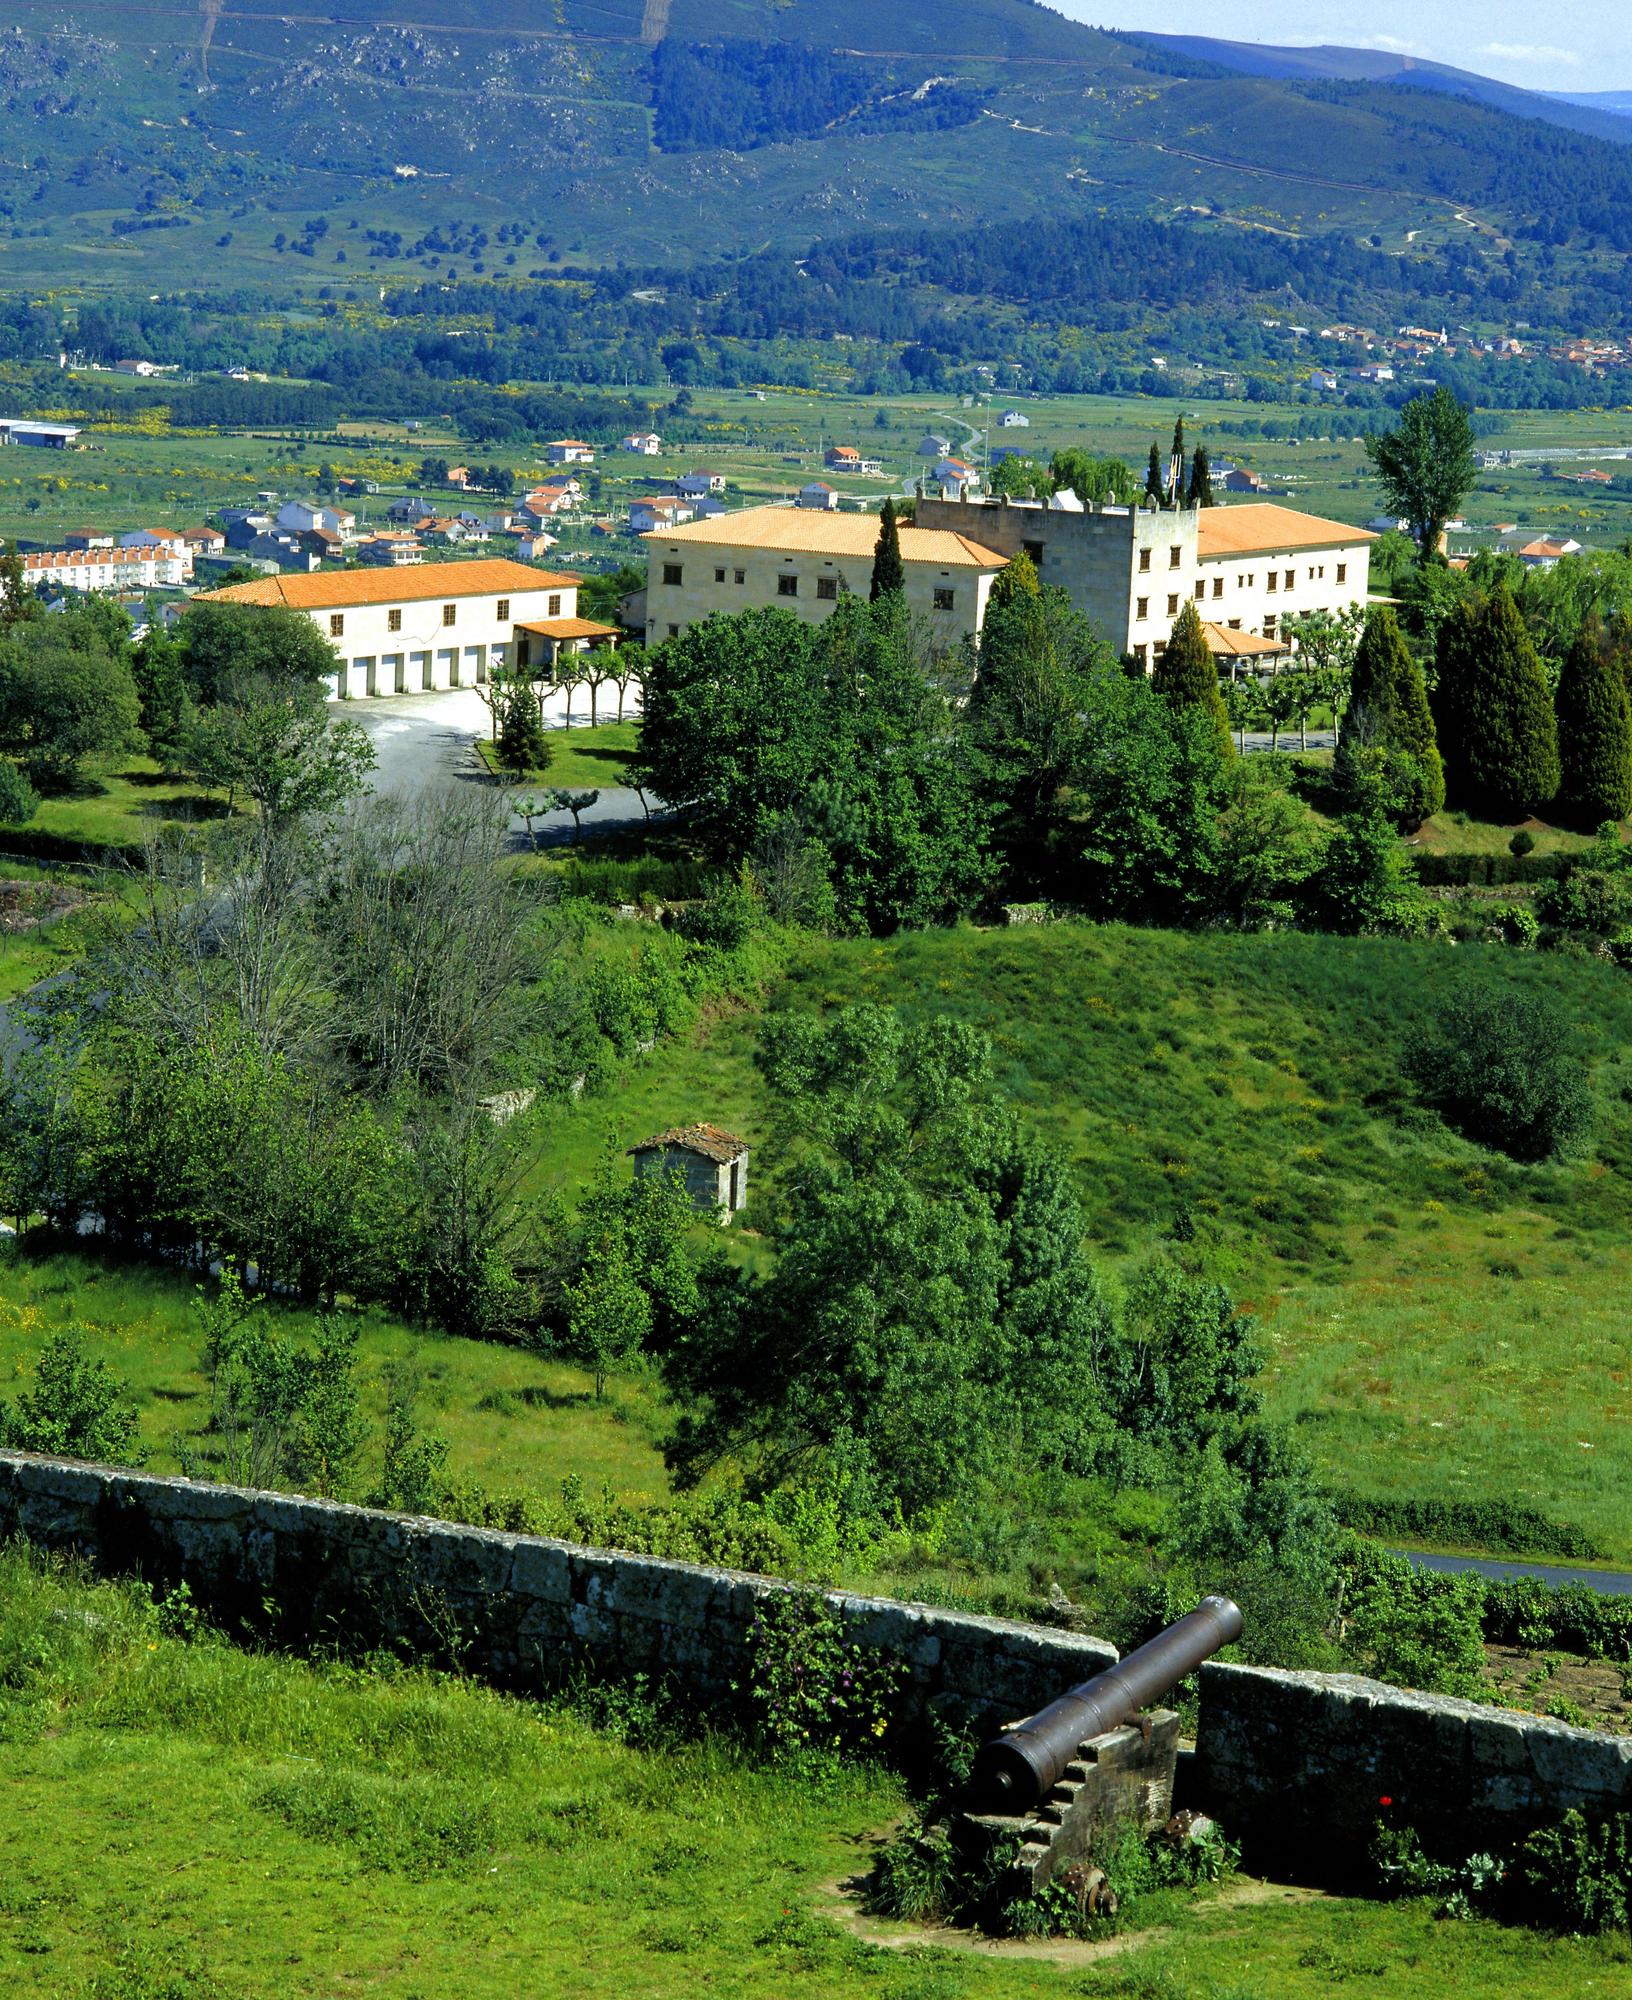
[427,741]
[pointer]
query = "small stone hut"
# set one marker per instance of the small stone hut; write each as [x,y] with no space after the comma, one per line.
[714,1163]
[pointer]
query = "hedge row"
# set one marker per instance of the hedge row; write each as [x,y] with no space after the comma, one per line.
[1489,871]
[1487,1525]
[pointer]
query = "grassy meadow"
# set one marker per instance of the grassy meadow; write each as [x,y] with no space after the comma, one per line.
[1438,1322]
[187,1818]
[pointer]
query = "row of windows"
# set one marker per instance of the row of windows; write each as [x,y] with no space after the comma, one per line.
[1175,558]
[787,585]
[450,616]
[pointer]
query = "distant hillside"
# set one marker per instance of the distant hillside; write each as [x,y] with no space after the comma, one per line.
[179,146]
[1606,115]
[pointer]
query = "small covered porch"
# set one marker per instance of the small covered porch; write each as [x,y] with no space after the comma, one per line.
[1236,653]
[541,642]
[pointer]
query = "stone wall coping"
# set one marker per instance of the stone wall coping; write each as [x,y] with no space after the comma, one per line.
[1382,1694]
[169,1496]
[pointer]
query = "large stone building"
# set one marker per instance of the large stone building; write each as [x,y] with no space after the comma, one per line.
[437,625]
[1248,567]
[804,560]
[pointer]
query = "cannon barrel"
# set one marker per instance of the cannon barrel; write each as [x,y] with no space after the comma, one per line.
[1016,1771]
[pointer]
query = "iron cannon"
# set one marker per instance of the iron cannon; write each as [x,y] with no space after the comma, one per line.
[1016,1771]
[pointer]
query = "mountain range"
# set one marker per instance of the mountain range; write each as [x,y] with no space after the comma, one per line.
[215,143]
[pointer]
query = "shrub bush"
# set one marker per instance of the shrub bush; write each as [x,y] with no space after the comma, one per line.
[1502,1068]
[1501,1525]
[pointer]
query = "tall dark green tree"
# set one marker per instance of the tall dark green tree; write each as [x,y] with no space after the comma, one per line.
[17,601]
[1594,730]
[889,572]
[1018,578]
[1388,730]
[1186,675]
[1493,712]
[1178,459]
[1426,465]
[1154,482]
[1201,479]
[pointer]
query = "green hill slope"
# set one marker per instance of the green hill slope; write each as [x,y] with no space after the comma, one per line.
[178,144]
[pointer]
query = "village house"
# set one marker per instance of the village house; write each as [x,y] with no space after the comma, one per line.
[846,458]
[570,451]
[410,510]
[1239,480]
[803,560]
[205,542]
[955,477]
[436,625]
[459,475]
[817,494]
[143,368]
[660,512]
[645,444]
[300,517]
[1015,420]
[391,549]
[89,538]
[105,569]
[933,445]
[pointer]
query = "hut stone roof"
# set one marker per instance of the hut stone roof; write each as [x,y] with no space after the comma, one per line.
[711,1141]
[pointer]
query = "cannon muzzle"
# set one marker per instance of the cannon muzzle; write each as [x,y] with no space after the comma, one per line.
[1016,1771]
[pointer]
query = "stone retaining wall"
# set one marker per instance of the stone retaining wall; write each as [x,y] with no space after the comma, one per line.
[1302,1762]
[518,1610]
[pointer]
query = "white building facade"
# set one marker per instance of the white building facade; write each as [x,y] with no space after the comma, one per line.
[438,625]
[804,560]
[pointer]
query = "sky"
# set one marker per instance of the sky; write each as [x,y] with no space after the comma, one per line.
[1572,45]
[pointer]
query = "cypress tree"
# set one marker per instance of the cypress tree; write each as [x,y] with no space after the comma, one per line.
[1153,476]
[1186,675]
[1388,712]
[1178,460]
[1018,578]
[1493,713]
[889,572]
[1594,730]
[1201,479]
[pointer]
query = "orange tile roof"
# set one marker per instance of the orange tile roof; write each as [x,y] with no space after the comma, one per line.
[820,532]
[1240,645]
[343,588]
[569,628]
[1261,528]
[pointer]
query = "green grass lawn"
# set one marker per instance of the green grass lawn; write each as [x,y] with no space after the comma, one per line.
[189,1819]
[116,809]
[587,759]
[513,1420]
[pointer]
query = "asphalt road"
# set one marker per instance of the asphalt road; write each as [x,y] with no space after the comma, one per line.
[1612,1582]
[427,741]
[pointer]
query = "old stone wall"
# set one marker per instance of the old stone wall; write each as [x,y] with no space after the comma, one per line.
[519,1610]
[1302,1763]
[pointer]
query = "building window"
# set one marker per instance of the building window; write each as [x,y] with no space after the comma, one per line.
[1342,572]
[1218,586]
[672,573]
[1274,581]
[450,614]
[827,586]
[1141,655]
[1175,556]
[1269,626]
[1141,607]
[739,576]
[719,576]
[1173,605]
[1035,551]
[554,607]
[944,599]
[674,631]
[503,611]
[1292,577]
[1144,561]
[1235,624]
[337,625]
[393,621]
[787,585]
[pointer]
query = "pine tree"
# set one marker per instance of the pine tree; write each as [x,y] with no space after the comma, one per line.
[1201,479]
[1153,477]
[889,573]
[1017,578]
[1594,730]
[1493,714]
[1186,675]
